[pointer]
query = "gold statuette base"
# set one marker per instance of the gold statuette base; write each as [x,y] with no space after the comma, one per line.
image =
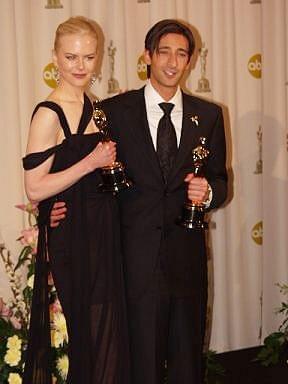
[114,178]
[192,217]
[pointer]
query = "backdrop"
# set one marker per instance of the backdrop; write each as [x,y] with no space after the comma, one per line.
[241,60]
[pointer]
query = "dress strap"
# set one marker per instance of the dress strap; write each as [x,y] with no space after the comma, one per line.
[86,115]
[56,108]
[32,160]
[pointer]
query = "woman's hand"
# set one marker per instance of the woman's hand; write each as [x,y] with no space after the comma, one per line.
[104,154]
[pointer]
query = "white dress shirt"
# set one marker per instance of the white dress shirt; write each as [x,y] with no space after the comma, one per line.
[154,112]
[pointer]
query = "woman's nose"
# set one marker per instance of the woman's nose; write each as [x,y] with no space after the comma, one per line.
[80,63]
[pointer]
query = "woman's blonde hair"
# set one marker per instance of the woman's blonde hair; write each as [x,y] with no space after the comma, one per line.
[76,24]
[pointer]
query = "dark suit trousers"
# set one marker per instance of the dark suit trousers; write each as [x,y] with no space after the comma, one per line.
[166,333]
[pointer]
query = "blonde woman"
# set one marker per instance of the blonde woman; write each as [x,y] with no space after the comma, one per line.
[64,154]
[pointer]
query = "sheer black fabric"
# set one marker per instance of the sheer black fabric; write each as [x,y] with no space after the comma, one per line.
[37,368]
[85,260]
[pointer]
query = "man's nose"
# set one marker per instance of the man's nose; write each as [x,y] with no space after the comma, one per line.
[172,59]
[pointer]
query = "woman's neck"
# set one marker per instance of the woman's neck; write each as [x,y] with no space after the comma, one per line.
[69,93]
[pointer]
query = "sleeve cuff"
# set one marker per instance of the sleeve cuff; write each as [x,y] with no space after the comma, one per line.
[207,202]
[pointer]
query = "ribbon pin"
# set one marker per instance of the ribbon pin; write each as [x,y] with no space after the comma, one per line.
[194,119]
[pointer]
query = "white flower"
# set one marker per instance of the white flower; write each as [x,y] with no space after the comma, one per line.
[12,357]
[59,324]
[11,276]
[21,305]
[14,342]
[18,295]
[30,282]
[57,339]
[62,366]
[14,378]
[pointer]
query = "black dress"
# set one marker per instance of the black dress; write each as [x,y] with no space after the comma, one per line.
[83,253]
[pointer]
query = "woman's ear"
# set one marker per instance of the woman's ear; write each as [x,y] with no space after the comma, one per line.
[54,58]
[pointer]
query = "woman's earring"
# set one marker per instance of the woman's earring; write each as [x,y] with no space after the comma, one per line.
[57,75]
[93,79]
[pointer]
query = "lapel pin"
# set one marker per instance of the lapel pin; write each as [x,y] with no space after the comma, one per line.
[194,120]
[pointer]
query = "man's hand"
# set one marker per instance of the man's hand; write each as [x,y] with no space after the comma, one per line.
[198,191]
[58,213]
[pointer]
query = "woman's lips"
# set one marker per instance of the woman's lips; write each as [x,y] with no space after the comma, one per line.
[79,75]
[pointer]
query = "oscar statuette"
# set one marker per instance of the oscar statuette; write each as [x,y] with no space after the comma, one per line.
[113,176]
[193,212]
[113,84]
[53,4]
[259,164]
[203,82]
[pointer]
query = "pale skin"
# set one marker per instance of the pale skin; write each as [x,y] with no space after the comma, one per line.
[76,59]
[168,64]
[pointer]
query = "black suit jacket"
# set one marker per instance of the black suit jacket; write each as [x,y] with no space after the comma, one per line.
[150,207]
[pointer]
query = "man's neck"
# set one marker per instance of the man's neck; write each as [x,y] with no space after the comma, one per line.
[165,92]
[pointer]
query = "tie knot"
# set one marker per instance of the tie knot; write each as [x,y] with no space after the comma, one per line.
[166,108]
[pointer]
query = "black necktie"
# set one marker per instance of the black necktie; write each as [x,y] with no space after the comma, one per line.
[166,140]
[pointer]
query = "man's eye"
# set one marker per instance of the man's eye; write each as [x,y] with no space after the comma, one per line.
[90,57]
[183,54]
[70,57]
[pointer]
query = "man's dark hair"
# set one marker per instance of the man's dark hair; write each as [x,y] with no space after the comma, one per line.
[164,27]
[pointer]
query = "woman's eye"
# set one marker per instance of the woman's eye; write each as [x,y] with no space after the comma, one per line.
[69,57]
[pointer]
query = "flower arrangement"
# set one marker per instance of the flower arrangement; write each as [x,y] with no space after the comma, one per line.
[14,314]
[275,349]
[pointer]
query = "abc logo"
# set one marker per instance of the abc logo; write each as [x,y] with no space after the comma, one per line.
[255,66]
[142,68]
[49,73]
[257,233]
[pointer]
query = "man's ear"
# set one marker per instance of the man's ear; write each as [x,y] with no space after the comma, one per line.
[147,57]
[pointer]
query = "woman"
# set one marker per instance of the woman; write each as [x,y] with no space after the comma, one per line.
[64,154]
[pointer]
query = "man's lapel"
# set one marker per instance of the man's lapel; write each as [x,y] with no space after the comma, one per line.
[190,133]
[136,118]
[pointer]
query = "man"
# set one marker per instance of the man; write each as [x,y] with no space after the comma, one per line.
[165,264]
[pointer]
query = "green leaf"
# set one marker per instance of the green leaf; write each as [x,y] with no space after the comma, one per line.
[272,351]
[214,370]
[24,255]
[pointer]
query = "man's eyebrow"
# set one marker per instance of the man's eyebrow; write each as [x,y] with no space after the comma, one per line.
[183,50]
[178,49]
[163,46]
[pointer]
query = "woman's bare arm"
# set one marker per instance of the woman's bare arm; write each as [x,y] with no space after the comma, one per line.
[39,183]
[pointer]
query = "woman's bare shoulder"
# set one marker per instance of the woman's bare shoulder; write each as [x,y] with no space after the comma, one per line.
[43,130]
